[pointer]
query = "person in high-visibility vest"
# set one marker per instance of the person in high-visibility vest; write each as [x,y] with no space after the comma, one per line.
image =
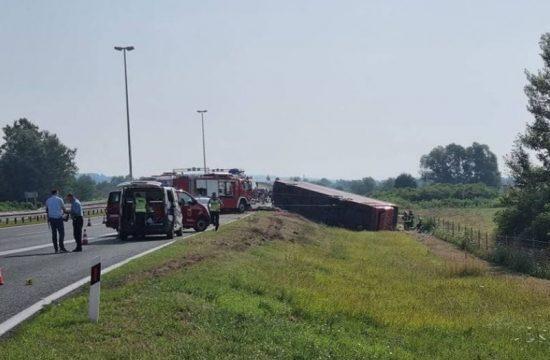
[140,210]
[215,206]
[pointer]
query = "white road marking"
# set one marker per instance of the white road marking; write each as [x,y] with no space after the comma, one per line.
[36,247]
[36,307]
[93,217]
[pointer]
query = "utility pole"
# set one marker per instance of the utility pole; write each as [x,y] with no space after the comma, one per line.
[202,112]
[124,49]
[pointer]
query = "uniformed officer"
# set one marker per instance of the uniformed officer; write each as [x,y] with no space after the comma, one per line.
[55,208]
[215,206]
[78,220]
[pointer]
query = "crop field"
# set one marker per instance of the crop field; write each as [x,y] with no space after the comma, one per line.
[274,285]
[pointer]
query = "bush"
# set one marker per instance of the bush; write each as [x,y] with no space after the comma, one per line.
[527,214]
[428,224]
[515,259]
[444,195]
[15,206]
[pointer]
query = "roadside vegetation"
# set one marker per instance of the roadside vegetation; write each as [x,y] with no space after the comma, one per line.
[35,160]
[276,286]
[527,212]
[444,196]
[15,206]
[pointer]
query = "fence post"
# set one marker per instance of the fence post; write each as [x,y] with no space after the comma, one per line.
[486,242]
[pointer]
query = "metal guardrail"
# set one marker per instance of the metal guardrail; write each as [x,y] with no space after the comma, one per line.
[91,208]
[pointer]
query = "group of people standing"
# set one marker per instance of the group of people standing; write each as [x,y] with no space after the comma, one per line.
[58,214]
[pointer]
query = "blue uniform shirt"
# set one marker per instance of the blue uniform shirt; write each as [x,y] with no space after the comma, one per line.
[55,206]
[76,208]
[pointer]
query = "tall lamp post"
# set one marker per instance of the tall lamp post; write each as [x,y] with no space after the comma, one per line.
[124,49]
[202,112]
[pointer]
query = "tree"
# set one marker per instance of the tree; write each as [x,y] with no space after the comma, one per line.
[364,186]
[454,164]
[386,185]
[527,209]
[324,182]
[33,160]
[405,181]
[84,188]
[482,165]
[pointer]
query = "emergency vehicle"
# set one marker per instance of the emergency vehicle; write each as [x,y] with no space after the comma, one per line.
[231,186]
[194,214]
[148,208]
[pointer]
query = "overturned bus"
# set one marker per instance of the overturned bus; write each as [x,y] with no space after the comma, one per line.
[334,207]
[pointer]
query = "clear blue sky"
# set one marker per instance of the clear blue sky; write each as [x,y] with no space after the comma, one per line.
[322,88]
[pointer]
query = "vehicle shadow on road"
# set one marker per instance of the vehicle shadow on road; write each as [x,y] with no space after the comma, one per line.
[116,241]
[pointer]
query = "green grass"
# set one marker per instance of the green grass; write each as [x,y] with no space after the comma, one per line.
[275,286]
[476,217]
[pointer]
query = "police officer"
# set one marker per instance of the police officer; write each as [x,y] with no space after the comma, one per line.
[78,220]
[55,208]
[215,206]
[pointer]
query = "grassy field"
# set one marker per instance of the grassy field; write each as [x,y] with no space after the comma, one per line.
[476,217]
[275,286]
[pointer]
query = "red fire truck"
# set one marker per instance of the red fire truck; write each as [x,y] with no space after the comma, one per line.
[232,186]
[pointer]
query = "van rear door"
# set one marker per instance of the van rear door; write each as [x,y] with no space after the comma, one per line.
[113,210]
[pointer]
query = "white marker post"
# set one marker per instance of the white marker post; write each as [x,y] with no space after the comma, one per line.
[95,284]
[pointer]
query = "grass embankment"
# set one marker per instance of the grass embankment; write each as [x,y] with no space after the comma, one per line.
[276,286]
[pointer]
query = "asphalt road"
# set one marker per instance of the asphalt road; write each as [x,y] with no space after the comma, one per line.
[26,252]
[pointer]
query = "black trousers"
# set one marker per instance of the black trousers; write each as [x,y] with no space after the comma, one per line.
[215,217]
[57,227]
[78,223]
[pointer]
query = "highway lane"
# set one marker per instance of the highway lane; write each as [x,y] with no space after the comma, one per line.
[17,237]
[51,272]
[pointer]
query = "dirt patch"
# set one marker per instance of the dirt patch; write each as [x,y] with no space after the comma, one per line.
[176,264]
[277,226]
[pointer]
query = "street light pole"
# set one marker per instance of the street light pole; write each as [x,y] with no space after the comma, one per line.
[203,143]
[124,49]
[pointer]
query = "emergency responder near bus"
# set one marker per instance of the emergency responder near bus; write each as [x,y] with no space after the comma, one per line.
[55,208]
[140,210]
[215,206]
[77,215]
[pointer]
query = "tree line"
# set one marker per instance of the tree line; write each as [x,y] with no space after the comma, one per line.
[451,164]
[35,160]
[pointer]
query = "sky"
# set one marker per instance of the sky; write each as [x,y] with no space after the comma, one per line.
[337,89]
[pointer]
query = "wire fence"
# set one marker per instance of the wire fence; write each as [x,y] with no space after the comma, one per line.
[520,253]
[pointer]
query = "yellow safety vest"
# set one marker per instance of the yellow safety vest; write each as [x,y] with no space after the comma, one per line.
[141,205]
[215,205]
